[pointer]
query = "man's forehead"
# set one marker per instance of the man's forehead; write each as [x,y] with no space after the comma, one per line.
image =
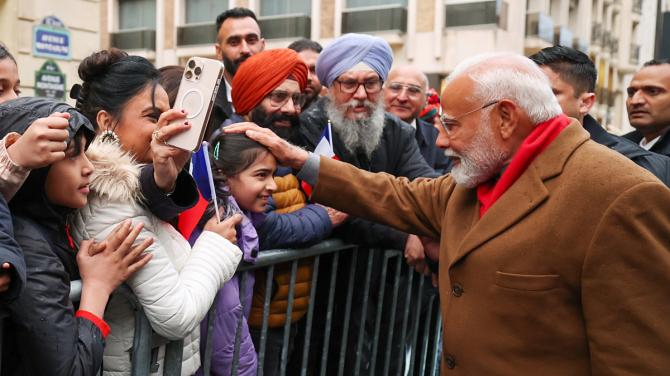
[359,72]
[240,27]
[456,93]
[289,85]
[405,76]
[653,75]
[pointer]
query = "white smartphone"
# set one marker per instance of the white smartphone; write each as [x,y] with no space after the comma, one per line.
[196,95]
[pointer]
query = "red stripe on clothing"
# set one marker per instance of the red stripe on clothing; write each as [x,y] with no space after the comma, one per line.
[538,140]
[97,321]
[188,220]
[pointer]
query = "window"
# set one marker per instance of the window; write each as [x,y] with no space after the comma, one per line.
[374,3]
[461,13]
[198,11]
[137,14]
[281,7]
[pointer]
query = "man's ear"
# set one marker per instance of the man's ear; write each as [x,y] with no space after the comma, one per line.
[509,117]
[219,52]
[104,120]
[586,102]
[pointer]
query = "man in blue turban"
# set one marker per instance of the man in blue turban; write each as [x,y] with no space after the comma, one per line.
[353,68]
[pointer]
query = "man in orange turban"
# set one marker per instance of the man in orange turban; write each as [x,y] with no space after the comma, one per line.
[268,90]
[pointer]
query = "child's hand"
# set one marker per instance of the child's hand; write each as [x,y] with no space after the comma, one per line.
[116,262]
[43,143]
[5,277]
[226,228]
[336,217]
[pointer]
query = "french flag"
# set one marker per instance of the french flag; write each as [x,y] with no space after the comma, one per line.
[325,148]
[201,171]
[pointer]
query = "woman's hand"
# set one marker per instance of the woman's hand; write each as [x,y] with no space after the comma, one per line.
[168,160]
[226,228]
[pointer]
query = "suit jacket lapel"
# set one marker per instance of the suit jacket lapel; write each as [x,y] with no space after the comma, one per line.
[519,201]
[524,196]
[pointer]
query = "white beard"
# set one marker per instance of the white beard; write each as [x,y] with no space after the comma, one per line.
[362,134]
[482,160]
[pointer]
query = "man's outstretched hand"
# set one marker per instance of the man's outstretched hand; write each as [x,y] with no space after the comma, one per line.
[286,154]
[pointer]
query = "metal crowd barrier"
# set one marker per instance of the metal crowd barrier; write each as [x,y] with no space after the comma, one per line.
[385,320]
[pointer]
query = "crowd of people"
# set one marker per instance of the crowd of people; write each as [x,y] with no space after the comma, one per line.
[546,237]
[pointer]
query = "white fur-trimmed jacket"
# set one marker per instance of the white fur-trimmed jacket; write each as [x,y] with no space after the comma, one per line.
[176,288]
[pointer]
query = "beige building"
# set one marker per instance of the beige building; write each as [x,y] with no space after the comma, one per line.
[31,30]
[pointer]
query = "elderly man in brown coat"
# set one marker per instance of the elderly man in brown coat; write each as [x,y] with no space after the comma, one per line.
[554,250]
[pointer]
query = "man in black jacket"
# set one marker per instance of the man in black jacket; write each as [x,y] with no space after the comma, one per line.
[573,78]
[648,106]
[238,37]
[353,68]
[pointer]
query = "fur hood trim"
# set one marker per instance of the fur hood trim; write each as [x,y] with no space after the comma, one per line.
[117,174]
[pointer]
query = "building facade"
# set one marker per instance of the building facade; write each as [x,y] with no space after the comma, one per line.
[61,33]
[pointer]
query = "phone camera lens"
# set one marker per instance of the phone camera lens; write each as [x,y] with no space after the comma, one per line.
[191,64]
[188,74]
[198,70]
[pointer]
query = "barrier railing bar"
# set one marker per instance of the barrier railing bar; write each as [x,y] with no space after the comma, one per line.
[240,320]
[364,312]
[403,334]
[347,314]
[378,315]
[289,318]
[207,362]
[266,314]
[435,371]
[426,338]
[389,339]
[329,314]
[310,314]
[277,256]
[415,326]
[173,356]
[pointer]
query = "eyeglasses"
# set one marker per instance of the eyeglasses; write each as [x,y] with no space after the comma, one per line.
[371,86]
[413,91]
[279,98]
[450,124]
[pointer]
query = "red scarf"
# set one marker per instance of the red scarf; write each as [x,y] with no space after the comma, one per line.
[538,140]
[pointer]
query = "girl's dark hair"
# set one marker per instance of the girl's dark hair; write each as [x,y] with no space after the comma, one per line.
[5,54]
[170,78]
[230,154]
[110,79]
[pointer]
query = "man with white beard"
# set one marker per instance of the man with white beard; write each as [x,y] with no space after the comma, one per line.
[353,68]
[554,250]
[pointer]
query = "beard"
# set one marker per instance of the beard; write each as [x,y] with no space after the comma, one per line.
[365,132]
[481,161]
[233,65]
[264,120]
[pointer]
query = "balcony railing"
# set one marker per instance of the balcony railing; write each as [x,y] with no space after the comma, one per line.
[198,33]
[286,26]
[596,33]
[580,44]
[614,45]
[137,39]
[563,36]
[469,14]
[541,26]
[368,19]
[634,54]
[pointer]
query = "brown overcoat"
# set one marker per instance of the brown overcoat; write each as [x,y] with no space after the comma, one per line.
[568,273]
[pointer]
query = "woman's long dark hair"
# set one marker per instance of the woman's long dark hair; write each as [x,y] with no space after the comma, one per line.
[230,154]
[110,79]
